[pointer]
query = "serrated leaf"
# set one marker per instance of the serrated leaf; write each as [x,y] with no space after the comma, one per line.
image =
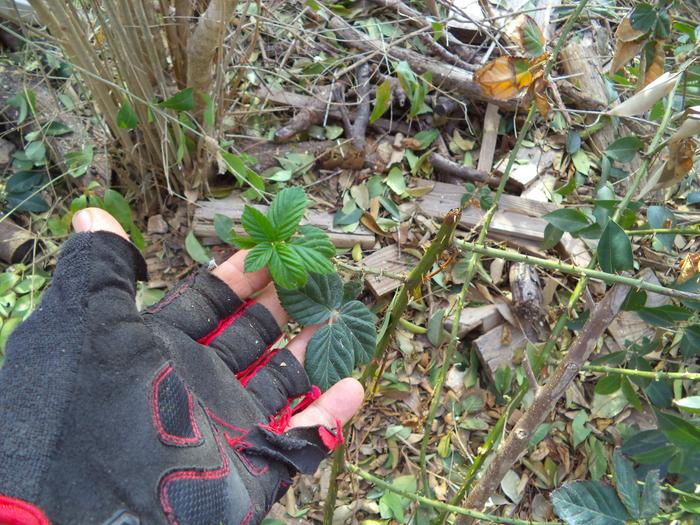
[258,257]
[223,226]
[243,242]
[626,483]
[315,301]
[665,316]
[195,249]
[643,17]
[329,356]
[382,101]
[258,225]
[315,249]
[287,268]
[360,324]
[569,220]
[615,249]
[579,430]
[286,211]
[588,503]
[651,495]
[181,101]
[624,149]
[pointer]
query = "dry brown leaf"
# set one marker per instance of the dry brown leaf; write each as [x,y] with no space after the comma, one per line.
[643,100]
[506,335]
[690,126]
[411,143]
[504,77]
[690,265]
[524,32]
[656,68]
[628,44]
[679,163]
[371,224]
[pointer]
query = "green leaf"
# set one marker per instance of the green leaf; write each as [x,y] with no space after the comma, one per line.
[382,101]
[579,430]
[573,142]
[662,217]
[195,250]
[582,162]
[665,316]
[8,326]
[690,344]
[7,281]
[651,495]
[649,447]
[118,207]
[258,257]
[287,268]
[568,220]
[223,226]
[35,151]
[630,394]
[313,258]
[624,149]
[532,39]
[286,211]
[426,137]
[552,236]
[126,116]
[181,101]
[608,384]
[315,301]
[588,503]
[643,17]
[678,431]
[615,249]
[687,404]
[626,483]
[257,225]
[329,356]
[32,283]
[360,325]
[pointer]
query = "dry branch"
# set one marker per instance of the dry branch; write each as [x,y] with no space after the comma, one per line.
[546,399]
[15,241]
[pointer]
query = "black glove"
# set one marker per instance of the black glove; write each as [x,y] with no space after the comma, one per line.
[175,416]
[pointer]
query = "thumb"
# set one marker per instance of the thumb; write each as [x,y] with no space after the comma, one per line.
[95,219]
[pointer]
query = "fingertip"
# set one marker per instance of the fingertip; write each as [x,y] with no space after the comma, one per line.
[340,402]
[96,219]
[268,298]
[244,284]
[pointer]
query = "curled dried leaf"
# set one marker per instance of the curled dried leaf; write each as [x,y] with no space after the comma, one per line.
[524,31]
[689,266]
[655,67]
[505,77]
[679,163]
[643,100]
[628,44]
[691,125]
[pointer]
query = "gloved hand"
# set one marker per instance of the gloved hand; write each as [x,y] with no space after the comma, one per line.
[183,414]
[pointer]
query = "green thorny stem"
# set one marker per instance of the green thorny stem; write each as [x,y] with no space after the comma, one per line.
[562,321]
[656,375]
[584,273]
[439,505]
[443,239]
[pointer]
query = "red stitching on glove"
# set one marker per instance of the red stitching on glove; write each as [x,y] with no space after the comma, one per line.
[18,512]
[244,376]
[238,445]
[280,422]
[225,323]
[330,439]
[170,438]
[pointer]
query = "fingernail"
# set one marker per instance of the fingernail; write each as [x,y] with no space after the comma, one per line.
[82,221]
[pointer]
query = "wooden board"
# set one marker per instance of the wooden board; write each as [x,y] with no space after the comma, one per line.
[389,259]
[232,206]
[494,352]
[489,138]
[482,318]
[532,162]
[444,197]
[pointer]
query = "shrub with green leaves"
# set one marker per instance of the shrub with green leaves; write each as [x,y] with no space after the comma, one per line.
[348,337]
[276,240]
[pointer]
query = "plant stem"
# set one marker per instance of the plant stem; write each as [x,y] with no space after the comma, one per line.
[372,271]
[440,505]
[677,231]
[443,239]
[657,376]
[585,273]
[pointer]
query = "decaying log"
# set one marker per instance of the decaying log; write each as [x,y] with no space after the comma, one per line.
[545,400]
[15,241]
[444,165]
[308,116]
[232,206]
[528,302]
